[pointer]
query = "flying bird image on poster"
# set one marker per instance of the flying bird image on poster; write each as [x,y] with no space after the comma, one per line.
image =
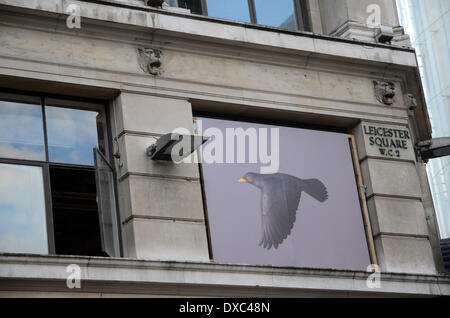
[280,197]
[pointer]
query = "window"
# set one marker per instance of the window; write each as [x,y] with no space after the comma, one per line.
[22,210]
[280,13]
[282,196]
[21,130]
[286,14]
[56,185]
[194,5]
[72,134]
[231,9]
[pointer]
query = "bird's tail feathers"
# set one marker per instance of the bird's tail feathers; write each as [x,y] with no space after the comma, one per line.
[316,189]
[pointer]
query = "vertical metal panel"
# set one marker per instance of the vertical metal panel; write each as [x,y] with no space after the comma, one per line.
[110,151]
[252,8]
[302,13]
[362,198]
[204,7]
[109,229]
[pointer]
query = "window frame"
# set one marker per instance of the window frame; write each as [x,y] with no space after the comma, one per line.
[47,196]
[301,13]
[238,118]
[367,224]
[101,212]
[17,96]
[76,105]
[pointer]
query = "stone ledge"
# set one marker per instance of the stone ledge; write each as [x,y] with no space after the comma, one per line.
[219,30]
[114,275]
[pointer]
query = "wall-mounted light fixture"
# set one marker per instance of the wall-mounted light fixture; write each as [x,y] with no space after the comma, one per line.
[434,148]
[175,147]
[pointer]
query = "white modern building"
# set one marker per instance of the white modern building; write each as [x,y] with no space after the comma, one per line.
[428,24]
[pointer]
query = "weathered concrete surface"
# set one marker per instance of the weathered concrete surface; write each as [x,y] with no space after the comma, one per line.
[395,204]
[141,26]
[102,277]
[209,28]
[251,70]
[283,83]
[337,12]
[166,198]
[169,239]
[162,205]
[143,114]
[399,216]
[391,178]
[358,19]
[431,220]
[376,136]
[405,254]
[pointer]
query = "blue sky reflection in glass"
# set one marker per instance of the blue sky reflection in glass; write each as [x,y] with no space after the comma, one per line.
[231,9]
[279,13]
[21,131]
[72,134]
[23,227]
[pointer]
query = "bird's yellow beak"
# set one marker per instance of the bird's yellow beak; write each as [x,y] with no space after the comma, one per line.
[242,180]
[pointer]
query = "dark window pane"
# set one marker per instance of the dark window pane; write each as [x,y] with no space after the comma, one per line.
[75,212]
[21,131]
[72,134]
[230,9]
[279,13]
[23,226]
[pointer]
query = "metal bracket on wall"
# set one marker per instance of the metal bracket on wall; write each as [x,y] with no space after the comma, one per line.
[116,154]
[434,148]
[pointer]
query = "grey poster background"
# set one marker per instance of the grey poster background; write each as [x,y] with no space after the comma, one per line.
[325,235]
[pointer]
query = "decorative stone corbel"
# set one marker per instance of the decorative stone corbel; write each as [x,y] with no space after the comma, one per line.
[384,92]
[411,102]
[150,60]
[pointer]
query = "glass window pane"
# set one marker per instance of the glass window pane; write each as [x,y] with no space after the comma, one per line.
[230,9]
[21,131]
[72,134]
[279,13]
[23,226]
[194,5]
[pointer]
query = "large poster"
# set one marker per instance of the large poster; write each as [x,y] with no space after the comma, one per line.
[281,196]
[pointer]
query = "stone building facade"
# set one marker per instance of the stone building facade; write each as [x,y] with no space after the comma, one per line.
[155,69]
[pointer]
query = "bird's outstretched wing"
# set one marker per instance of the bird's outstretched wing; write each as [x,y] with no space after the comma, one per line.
[279,202]
[280,198]
[315,188]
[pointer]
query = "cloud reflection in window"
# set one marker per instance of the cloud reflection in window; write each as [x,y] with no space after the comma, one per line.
[21,131]
[72,134]
[22,210]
